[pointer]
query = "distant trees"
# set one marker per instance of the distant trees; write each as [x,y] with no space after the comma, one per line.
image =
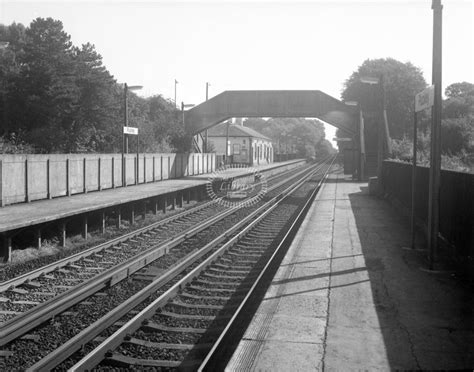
[57,97]
[306,136]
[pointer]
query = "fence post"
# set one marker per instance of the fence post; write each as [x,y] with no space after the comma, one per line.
[48,178]
[161,168]
[124,171]
[84,175]
[1,183]
[27,198]
[68,189]
[154,179]
[144,168]
[99,186]
[175,167]
[136,170]
[113,172]
[169,167]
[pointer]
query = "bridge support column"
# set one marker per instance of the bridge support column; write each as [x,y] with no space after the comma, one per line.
[103,222]
[63,234]
[6,248]
[85,227]
[38,238]
[119,218]
[164,203]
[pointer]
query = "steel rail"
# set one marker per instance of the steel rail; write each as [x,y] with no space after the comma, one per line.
[86,335]
[132,325]
[26,321]
[25,278]
[285,240]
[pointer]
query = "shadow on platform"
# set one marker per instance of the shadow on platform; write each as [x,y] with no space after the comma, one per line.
[426,319]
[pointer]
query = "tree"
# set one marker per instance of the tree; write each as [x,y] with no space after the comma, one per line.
[57,97]
[460,101]
[457,126]
[402,81]
[306,135]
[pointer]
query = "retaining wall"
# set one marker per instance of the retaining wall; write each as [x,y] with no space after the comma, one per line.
[24,178]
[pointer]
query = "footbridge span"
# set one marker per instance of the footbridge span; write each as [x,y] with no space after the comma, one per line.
[271,103]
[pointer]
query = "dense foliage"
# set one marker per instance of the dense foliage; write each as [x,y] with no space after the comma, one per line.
[402,81]
[304,137]
[57,97]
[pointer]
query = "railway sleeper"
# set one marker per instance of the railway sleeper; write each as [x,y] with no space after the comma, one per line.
[198,306]
[47,276]
[204,297]
[240,252]
[241,262]
[164,345]
[219,267]
[231,286]
[32,285]
[120,360]
[155,327]
[239,275]
[207,289]
[25,302]
[260,235]
[187,316]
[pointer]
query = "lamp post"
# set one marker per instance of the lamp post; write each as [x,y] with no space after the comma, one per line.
[205,133]
[3,46]
[361,137]
[435,153]
[383,127]
[227,143]
[175,84]
[207,90]
[124,135]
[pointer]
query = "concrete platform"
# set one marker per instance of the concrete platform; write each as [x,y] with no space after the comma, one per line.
[22,215]
[348,296]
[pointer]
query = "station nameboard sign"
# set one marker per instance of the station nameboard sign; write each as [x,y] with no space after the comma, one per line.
[130,130]
[424,99]
[342,139]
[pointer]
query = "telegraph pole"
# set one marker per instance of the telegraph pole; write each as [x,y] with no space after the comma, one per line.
[435,156]
[206,133]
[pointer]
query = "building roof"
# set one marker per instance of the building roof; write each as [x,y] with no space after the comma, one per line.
[220,130]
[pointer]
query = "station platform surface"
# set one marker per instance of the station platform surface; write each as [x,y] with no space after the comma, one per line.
[18,216]
[350,296]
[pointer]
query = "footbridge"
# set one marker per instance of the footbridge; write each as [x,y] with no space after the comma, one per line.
[271,103]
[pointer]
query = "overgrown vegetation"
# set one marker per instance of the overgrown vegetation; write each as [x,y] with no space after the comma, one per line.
[57,97]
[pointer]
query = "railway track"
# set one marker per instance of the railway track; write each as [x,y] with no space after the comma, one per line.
[180,328]
[71,271]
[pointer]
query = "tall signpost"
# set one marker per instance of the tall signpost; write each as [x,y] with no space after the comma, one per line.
[435,156]
[206,133]
[423,100]
[126,131]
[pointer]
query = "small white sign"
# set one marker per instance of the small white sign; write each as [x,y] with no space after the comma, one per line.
[424,99]
[342,139]
[130,130]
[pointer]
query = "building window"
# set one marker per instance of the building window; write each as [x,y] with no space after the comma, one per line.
[236,149]
[243,141]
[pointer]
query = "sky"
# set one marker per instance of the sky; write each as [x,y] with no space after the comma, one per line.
[239,45]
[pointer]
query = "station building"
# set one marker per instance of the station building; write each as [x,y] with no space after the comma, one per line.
[245,146]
